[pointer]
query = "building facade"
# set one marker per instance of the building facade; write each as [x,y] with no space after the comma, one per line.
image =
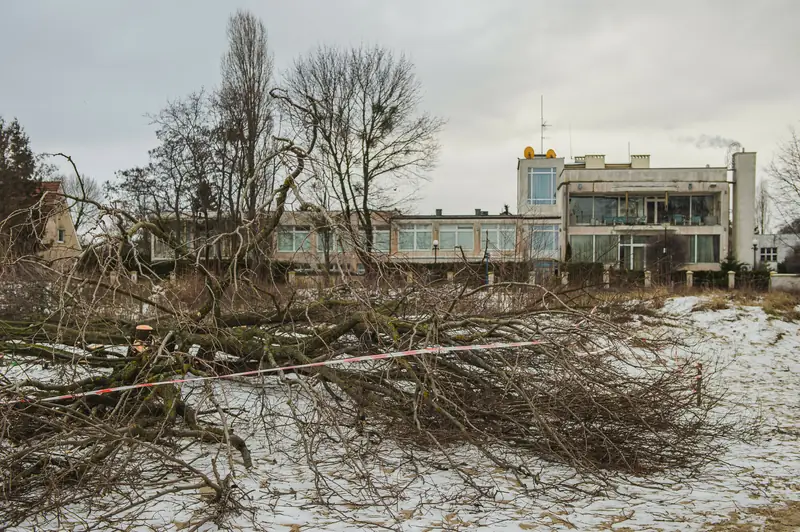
[625,215]
[635,217]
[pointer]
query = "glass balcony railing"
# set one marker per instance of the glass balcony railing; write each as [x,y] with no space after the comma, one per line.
[674,219]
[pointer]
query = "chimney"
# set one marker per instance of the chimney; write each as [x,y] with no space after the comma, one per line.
[595,161]
[477,212]
[438,212]
[640,161]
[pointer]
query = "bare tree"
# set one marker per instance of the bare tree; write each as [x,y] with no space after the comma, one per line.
[785,173]
[762,208]
[246,108]
[374,142]
[84,213]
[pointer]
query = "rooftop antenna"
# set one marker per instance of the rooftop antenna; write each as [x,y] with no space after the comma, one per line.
[629,151]
[544,125]
[570,144]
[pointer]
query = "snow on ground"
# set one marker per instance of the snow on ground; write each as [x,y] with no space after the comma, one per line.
[759,358]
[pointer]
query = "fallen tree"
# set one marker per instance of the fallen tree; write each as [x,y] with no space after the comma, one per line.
[592,394]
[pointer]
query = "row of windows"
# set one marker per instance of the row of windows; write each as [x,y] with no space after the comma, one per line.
[630,250]
[677,210]
[419,237]
[298,238]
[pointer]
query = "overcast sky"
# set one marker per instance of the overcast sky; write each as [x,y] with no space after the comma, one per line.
[82,75]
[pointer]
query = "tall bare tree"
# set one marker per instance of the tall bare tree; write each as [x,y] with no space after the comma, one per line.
[246,108]
[373,141]
[785,173]
[763,208]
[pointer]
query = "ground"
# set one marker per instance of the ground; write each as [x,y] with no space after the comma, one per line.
[754,486]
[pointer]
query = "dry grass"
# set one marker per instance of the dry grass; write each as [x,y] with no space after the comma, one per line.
[781,304]
[714,302]
[783,518]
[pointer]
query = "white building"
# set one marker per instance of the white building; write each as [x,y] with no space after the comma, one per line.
[631,215]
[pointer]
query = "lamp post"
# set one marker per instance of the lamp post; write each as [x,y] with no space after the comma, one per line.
[667,269]
[435,251]
[755,248]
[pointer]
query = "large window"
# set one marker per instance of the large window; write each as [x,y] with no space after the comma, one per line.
[606,248]
[692,210]
[544,238]
[457,236]
[582,247]
[500,236]
[595,248]
[541,186]
[606,209]
[415,237]
[703,248]
[381,239]
[768,254]
[580,209]
[632,252]
[293,238]
[701,208]
[326,241]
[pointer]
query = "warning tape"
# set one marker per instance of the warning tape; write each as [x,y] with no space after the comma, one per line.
[381,356]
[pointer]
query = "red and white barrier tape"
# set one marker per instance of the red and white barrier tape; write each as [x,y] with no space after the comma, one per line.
[396,354]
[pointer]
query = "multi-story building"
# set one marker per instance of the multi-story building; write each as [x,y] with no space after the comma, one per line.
[631,215]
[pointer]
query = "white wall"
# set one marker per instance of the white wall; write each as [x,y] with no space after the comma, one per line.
[784,282]
[744,213]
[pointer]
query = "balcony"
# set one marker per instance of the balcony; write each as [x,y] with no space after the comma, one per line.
[669,219]
[687,210]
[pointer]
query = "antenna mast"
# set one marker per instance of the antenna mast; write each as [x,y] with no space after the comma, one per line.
[570,144]
[544,126]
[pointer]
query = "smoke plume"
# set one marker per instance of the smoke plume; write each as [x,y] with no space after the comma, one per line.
[708,141]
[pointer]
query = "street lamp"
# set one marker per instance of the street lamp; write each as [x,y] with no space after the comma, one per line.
[755,248]
[435,251]
[667,267]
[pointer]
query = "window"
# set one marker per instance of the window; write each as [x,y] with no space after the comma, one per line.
[293,238]
[544,238]
[632,252]
[702,207]
[161,250]
[582,248]
[381,240]
[453,236]
[61,236]
[325,242]
[769,254]
[606,209]
[414,237]
[541,186]
[606,248]
[595,248]
[703,248]
[580,209]
[499,236]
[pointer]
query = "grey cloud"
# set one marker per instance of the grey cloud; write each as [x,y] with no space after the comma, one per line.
[84,75]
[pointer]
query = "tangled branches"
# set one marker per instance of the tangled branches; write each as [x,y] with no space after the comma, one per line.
[594,397]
